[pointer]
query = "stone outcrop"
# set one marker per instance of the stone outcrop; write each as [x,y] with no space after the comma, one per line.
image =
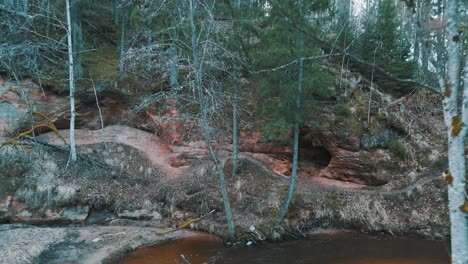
[347,161]
[173,139]
[13,110]
[14,115]
[380,139]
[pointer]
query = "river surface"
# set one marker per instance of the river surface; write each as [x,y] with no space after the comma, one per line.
[341,248]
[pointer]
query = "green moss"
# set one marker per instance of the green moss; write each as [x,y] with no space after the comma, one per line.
[342,110]
[101,64]
[382,117]
[350,124]
[361,113]
[398,148]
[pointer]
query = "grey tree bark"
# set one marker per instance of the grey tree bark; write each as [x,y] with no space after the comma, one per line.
[235,137]
[174,65]
[77,39]
[72,83]
[235,86]
[456,120]
[122,46]
[116,12]
[206,131]
[418,34]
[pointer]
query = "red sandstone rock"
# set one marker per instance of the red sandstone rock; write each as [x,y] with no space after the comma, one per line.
[181,139]
[170,125]
[19,209]
[155,149]
[346,162]
[5,209]
[284,168]
[14,112]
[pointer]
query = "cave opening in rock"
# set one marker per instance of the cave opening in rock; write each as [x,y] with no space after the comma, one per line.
[312,150]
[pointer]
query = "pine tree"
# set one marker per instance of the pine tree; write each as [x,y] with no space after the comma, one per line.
[284,47]
[282,41]
[384,44]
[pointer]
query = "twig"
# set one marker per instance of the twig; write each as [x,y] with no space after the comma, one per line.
[184,258]
[191,221]
[99,109]
[295,61]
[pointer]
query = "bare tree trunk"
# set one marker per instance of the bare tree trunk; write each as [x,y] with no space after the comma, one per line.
[174,74]
[72,84]
[292,183]
[456,194]
[116,12]
[26,6]
[371,87]
[122,46]
[456,118]
[235,86]
[235,141]
[418,33]
[77,39]
[203,107]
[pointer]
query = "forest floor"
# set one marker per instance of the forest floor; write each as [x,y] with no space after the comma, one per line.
[131,201]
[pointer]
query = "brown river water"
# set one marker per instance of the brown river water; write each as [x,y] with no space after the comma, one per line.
[340,248]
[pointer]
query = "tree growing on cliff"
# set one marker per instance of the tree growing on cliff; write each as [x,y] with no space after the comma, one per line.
[383,31]
[293,69]
[451,63]
[197,64]
[72,82]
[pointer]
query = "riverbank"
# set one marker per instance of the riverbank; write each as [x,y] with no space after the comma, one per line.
[86,244]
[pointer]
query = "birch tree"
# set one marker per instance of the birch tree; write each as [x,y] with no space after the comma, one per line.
[72,83]
[122,44]
[198,72]
[456,120]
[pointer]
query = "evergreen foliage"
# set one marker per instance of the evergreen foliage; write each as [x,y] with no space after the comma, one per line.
[384,44]
[282,41]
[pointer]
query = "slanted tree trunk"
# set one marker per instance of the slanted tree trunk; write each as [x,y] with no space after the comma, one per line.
[235,86]
[418,34]
[206,131]
[424,45]
[122,45]
[72,83]
[235,137]
[456,120]
[292,183]
[174,67]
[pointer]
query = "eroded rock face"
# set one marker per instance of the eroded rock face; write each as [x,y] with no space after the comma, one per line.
[14,111]
[347,162]
[381,139]
[170,124]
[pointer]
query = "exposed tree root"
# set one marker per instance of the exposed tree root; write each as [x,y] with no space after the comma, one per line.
[50,125]
[191,221]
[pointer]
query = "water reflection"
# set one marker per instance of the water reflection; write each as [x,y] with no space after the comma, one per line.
[343,248]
